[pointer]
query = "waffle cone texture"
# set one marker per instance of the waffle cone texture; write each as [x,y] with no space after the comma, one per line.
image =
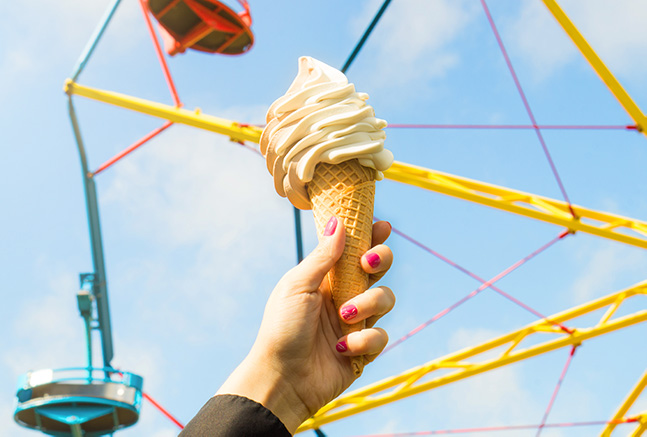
[347,191]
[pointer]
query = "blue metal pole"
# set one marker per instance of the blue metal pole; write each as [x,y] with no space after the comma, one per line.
[99,285]
[94,39]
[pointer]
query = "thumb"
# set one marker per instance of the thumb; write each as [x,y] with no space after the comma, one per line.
[307,276]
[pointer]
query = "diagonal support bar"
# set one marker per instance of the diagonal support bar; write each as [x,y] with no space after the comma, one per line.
[468,363]
[628,402]
[132,148]
[600,68]
[94,39]
[642,425]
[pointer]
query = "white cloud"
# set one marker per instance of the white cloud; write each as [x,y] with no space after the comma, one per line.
[497,397]
[42,33]
[604,266]
[639,407]
[7,425]
[143,358]
[465,337]
[616,31]
[48,330]
[413,38]
[15,63]
[538,39]
[193,187]
[196,192]
[493,398]
[72,22]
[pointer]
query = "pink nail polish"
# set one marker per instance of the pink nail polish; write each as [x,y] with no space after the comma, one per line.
[373,259]
[348,312]
[330,226]
[341,346]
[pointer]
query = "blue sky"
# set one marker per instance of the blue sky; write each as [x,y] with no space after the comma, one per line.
[195,237]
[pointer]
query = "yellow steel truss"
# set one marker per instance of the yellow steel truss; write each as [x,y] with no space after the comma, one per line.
[622,410]
[235,131]
[642,426]
[602,224]
[600,68]
[598,223]
[467,362]
[641,124]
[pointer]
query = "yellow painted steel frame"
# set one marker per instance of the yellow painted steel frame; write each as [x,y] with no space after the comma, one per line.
[467,362]
[236,131]
[600,68]
[602,224]
[598,223]
[642,426]
[629,401]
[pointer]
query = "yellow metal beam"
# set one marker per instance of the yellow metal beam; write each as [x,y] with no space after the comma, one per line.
[628,402]
[411,382]
[642,425]
[601,224]
[600,68]
[236,131]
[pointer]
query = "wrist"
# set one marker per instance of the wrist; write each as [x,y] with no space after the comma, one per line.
[259,381]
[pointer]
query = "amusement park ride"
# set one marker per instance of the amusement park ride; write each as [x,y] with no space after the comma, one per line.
[93,401]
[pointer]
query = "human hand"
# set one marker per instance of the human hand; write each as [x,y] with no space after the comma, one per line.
[299,361]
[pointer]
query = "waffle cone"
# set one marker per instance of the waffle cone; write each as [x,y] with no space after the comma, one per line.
[347,191]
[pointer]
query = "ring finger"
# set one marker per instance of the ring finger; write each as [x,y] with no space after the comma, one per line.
[370,306]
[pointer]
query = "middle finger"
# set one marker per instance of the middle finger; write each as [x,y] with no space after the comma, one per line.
[376,262]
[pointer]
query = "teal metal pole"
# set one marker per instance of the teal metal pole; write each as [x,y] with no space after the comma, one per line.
[299,238]
[88,337]
[94,40]
[99,285]
[84,300]
[76,430]
[365,36]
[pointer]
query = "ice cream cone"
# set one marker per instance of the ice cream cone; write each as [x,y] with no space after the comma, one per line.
[322,120]
[347,191]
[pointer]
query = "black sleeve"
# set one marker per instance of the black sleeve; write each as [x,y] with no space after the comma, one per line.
[234,416]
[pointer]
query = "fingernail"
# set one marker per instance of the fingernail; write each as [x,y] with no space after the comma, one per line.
[341,346]
[330,226]
[373,259]
[348,312]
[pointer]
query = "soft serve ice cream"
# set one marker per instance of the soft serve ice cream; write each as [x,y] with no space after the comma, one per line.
[321,118]
[325,148]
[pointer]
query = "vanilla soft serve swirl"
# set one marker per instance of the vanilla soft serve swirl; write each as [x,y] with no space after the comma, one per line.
[321,118]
